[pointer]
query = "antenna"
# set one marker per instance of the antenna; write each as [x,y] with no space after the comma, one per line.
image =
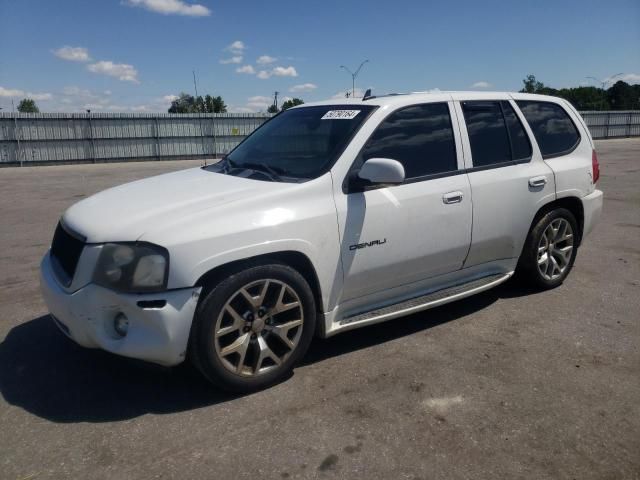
[367,95]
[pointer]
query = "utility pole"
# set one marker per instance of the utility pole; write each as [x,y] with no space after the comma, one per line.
[354,76]
[195,86]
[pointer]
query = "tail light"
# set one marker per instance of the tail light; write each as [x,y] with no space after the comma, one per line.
[595,166]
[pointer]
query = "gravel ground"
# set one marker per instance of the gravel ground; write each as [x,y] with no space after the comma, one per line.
[507,384]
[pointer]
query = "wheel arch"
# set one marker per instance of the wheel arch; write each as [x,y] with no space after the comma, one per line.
[573,204]
[292,258]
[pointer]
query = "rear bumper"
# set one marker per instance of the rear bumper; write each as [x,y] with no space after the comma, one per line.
[592,207]
[158,335]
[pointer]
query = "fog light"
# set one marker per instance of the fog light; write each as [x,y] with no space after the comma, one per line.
[121,324]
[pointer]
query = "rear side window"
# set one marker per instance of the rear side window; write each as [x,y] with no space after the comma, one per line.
[495,133]
[520,144]
[555,133]
[420,137]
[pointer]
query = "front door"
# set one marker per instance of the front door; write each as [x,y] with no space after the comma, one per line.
[398,235]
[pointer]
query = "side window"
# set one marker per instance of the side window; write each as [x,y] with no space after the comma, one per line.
[520,144]
[554,131]
[420,137]
[495,133]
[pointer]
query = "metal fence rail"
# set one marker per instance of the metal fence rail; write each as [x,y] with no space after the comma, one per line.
[613,124]
[33,139]
[65,138]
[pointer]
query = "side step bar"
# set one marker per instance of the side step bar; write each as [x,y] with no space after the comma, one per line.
[423,302]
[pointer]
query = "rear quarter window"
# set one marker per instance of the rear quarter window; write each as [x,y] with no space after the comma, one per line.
[554,130]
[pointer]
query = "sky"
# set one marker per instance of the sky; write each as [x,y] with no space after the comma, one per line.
[137,55]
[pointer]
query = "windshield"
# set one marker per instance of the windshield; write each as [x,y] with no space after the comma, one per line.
[300,143]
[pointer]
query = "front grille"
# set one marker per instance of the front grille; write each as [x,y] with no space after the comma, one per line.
[65,252]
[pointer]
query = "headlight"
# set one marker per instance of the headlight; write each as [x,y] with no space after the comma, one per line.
[132,267]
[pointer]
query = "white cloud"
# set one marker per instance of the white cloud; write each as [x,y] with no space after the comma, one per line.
[305,87]
[72,54]
[234,109]
[259,102]
[246,69]
[630,78]
[284,72]
[14,92]
[171,7]
[39,96]
[237,47]
[265,60]
[121,71]
[236,59]
[10,92]
[278,72]
[481,85]
[77,99]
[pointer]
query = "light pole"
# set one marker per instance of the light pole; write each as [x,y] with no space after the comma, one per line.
[607,80]
[353,76]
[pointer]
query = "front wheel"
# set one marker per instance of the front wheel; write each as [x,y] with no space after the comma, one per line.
[550,249]
[253,327]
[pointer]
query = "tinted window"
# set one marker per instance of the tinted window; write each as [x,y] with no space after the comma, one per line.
[419,137]
[520,145]
[487,133]
[301,142]
[552,127]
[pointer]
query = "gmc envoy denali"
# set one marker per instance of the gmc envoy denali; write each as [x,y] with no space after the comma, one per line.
[329,217]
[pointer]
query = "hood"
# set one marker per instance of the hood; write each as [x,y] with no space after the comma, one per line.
[126,212]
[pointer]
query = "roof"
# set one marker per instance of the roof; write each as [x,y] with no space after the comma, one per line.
[398,99]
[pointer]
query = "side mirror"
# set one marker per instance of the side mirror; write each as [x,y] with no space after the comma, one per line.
[381,171]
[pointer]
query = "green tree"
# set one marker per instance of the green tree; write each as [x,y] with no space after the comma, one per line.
[531,85]
[272,108]
[291,103]
[186,103]
[214,104]
[585,98]
[28,105]
[623,96]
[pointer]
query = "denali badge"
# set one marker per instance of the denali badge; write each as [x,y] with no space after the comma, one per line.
[373,243]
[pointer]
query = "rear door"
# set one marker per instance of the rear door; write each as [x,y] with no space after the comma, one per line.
[509,180]
[564,143]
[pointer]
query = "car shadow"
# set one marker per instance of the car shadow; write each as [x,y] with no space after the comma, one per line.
[49,376]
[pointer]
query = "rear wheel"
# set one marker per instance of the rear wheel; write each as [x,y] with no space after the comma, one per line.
[550,249]
[253,327]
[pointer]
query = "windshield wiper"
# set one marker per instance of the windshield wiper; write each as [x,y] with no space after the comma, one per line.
[273,172]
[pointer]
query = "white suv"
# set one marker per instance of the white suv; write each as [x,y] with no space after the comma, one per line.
[329,217]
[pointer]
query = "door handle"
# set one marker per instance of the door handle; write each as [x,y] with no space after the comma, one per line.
[452,197]
[537,181]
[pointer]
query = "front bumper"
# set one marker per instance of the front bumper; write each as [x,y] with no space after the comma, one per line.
[592,207]
[158,335]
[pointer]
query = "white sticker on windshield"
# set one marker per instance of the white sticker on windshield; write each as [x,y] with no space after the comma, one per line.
[340,114]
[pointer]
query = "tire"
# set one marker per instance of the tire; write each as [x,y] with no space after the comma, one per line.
[549,250]
[253,327]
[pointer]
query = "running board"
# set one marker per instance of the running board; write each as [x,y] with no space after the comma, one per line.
[423,302]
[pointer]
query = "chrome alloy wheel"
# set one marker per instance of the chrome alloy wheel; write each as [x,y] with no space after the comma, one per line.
[555,249]
[258,327]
